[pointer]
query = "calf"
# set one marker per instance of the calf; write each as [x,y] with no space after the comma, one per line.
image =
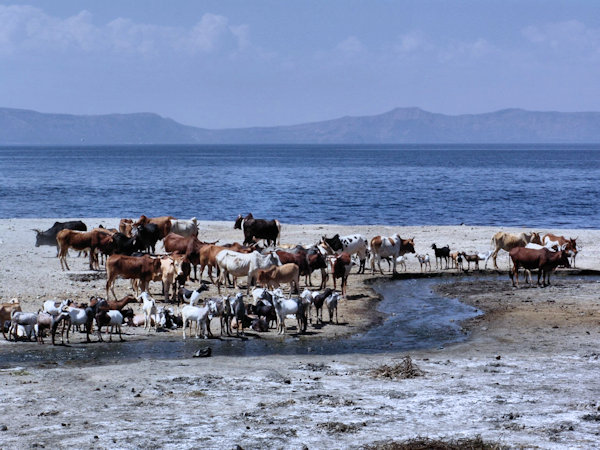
[274,276]
[341,269]
[141,268]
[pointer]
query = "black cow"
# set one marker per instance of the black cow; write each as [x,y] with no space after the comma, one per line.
[268,230]
[48,237]
[148,235]
[123,245]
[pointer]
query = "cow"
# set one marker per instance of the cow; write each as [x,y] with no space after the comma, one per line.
[141,268]
[352,244]
[269,230]
[125,245]
[507,241]
[163,223]
[341,269]
[79,240]
[272,277]
[48,237]
[170,269]
[543,260]
[125,226]
[243,264]
[147,235]
[185,228]
[385,247]
[561,242]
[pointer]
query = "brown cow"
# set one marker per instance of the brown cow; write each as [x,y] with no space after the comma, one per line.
[341,269]
[141,268]
[507,241]
[544,260]
[79,240]
[125,226]
[276,275]
[163,223]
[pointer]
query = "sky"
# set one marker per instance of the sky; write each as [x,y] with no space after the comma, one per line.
[240,63]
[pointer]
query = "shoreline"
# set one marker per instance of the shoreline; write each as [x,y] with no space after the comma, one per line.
[510,381]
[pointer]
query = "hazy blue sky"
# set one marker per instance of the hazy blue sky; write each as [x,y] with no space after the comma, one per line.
[222,63]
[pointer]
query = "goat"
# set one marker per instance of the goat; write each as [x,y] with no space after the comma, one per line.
[48,321]
[198,314]
[112,318]
[424,260]
[441,253]
[149,309]
[332,305]
[28,320]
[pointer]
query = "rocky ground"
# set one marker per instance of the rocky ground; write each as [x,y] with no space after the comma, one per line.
[527,375]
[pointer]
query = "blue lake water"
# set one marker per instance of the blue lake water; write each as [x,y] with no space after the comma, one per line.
[507,185]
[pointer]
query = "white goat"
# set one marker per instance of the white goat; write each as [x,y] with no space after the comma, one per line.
[50,307]
[424,260]
[198,314]
[332,305]
[149,309]
[283,307]
[27,320]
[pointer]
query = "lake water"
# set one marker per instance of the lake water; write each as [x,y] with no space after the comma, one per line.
[506,185]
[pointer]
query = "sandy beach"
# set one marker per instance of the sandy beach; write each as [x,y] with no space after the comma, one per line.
[526,375]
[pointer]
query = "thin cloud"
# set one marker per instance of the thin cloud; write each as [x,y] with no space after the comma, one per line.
[25,28]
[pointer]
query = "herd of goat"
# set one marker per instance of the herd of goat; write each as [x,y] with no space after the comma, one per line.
[129,254]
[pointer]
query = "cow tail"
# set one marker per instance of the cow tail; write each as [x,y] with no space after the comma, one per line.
[278,232]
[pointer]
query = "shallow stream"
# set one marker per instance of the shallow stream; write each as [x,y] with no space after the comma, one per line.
[417,318]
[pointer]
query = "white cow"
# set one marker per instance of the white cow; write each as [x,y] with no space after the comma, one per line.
[185,228]
[385,247]
[243,265]
[351,244]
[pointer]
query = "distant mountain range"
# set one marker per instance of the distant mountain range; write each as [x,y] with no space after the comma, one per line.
[398,126]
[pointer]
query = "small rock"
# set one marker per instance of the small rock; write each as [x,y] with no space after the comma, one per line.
[203,353]
[3,428]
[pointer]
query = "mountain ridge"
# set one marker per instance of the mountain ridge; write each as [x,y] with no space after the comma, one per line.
[411,125]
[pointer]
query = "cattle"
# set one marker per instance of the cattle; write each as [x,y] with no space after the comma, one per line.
[125,226]
[385,247]
[141,268]
[185,228]
[269,230]
[341,269]
[507,241]
[351,244]
[441,254]
[543,260]
[274,276]
[147,234]
[170,269]
[163,223]
[317,261]
[79,240]
[243,264]
[561,242]
[48,237]
[124,245]
[189,246]
[299,258]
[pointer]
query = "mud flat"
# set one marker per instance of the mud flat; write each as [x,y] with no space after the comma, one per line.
[526,376]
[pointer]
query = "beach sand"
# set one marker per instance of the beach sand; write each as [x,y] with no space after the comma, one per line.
[526,376]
